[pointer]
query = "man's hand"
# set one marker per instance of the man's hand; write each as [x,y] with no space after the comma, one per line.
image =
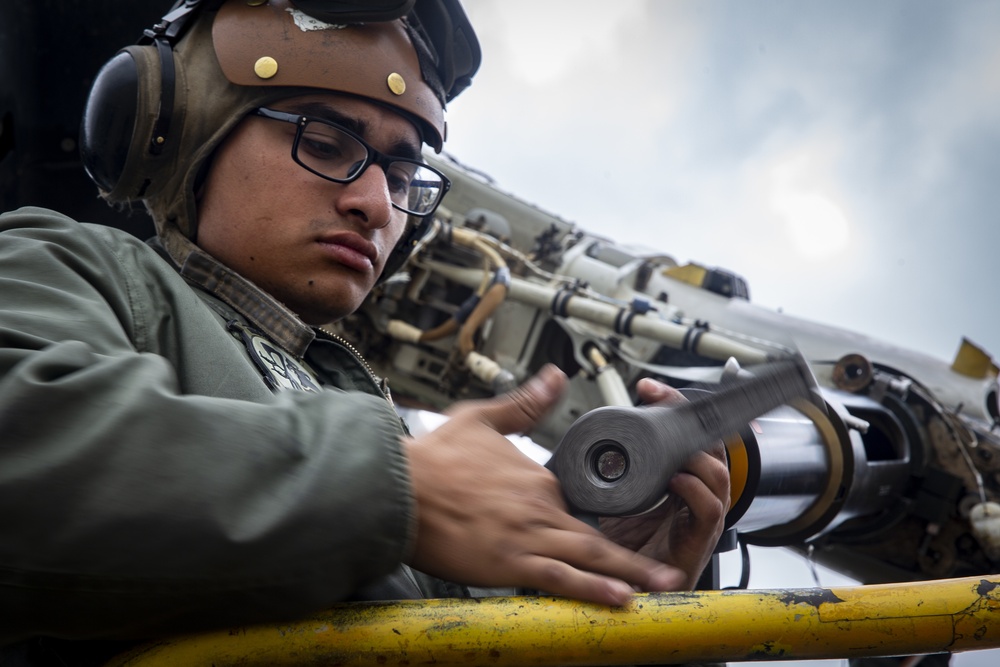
[683,531]
[487,515]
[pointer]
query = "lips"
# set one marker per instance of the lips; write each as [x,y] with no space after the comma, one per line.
[350,250]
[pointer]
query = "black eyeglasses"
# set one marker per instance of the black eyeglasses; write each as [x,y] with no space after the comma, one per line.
[339,155]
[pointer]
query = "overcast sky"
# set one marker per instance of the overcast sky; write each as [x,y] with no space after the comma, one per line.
[842,155]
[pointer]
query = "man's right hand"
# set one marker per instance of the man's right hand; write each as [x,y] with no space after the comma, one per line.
[488,515]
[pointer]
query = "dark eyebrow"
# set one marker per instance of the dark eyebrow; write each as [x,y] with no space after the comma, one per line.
[401,148]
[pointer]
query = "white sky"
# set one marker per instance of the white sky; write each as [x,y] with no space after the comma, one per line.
[842,155]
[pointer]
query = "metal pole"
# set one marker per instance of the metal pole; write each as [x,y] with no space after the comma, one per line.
[705,626]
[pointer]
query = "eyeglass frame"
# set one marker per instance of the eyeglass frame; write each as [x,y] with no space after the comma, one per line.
[373,155]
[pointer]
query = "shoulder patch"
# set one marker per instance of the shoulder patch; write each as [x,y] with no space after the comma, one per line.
[280,369]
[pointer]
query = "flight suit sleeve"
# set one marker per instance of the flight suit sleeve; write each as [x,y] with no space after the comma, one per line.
[130,509]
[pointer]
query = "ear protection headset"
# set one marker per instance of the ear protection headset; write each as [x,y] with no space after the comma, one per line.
[117,109]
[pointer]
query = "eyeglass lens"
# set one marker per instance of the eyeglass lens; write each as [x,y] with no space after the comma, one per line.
[330,152]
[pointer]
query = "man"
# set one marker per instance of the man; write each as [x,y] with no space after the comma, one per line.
[184,447]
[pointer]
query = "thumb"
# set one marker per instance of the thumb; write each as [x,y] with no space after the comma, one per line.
[653,391]
[519,410]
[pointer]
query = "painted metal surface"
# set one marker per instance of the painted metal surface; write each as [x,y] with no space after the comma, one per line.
[705,626]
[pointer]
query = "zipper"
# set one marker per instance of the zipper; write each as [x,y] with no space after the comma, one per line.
[382,385]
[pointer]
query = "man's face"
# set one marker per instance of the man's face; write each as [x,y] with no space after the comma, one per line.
[316,246]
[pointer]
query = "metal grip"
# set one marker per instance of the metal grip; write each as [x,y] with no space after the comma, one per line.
[618,461]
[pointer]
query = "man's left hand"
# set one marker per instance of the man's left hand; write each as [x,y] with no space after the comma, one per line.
[683,531]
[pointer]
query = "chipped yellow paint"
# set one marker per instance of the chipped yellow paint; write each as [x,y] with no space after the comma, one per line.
[706,626]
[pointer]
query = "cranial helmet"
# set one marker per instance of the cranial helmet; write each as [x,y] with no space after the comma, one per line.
[157,110]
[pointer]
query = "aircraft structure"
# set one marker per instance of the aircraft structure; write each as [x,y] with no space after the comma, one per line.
[895,477]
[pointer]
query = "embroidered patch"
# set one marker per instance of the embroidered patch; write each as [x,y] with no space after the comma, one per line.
[280,370]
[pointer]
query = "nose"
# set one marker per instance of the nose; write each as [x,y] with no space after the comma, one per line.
[367,198]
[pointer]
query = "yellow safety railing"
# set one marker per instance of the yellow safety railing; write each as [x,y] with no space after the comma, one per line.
[704,626]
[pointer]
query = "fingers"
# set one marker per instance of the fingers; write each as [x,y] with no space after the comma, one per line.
[710,468]
[704,486]
[610,579]
[519,410]
[559,578]
[579,562]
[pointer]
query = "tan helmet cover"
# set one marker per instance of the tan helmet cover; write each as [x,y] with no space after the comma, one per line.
[218,81]
[273,44]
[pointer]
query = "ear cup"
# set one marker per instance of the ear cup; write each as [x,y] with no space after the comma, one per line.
[126,122]
[129,111]
[109,119]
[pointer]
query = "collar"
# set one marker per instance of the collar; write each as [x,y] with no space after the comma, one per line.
[260,309]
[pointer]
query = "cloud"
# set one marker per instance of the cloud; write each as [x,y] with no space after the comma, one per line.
[539,56]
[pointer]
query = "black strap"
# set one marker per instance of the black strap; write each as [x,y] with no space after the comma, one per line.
[167,84]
